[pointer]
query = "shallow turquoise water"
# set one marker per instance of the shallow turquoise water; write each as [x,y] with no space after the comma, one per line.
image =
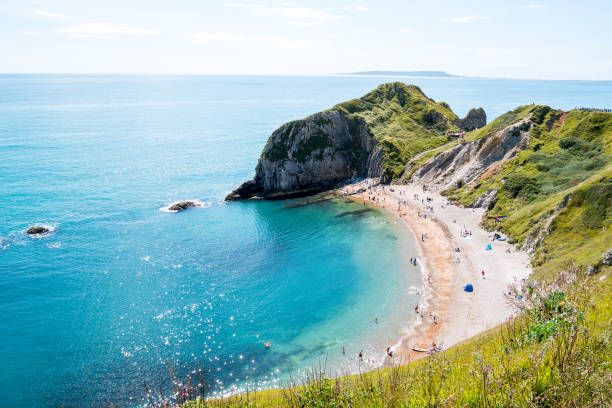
[120,286]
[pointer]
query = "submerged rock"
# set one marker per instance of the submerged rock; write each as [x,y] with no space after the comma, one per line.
[35,230]
[183,205]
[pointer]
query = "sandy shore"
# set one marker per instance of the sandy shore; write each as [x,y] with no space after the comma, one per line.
[439,229]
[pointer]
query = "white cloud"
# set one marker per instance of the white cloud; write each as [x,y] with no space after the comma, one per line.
[103,30]
[305,23]
[43,13]
[266,41]
[291,12]
[33,33]
[491,51]
[465,19]
[536,6]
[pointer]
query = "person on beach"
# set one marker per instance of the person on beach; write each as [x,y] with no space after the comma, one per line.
[416,308]
[360,355]
[343,351]
[483,274]
[376,320]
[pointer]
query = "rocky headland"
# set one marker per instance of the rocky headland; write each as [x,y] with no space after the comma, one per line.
[372,136]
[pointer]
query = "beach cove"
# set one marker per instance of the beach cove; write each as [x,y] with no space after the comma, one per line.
[452,254]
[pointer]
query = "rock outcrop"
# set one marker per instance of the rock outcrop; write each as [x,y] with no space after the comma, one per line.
[467,161]
[475,119]
[36,230]
[310,155]
[486,201]
[182,205]
[372,136]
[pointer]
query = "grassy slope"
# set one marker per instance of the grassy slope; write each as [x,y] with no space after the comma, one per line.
[404,120]
[559,353]
[568,154]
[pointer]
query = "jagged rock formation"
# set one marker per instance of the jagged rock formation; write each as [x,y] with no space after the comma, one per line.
[372,136]
[486,201]
[309,155]
[475,119]
[36,230]
[183,205]
[467,161]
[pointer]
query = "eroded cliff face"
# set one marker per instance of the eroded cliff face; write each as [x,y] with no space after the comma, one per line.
[309,155]
[372,136]
[467,161]
[475,119]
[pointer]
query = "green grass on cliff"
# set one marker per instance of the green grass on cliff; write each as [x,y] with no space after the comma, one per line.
[559,188]
[404,120]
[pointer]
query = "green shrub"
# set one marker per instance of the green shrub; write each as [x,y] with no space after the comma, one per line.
[567,142]
[521,185]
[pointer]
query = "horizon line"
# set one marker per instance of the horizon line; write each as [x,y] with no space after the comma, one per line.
[356,74]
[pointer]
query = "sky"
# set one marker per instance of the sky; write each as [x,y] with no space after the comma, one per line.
[540,39]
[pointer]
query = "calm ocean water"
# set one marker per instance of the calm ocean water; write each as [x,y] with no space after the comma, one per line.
[120,287]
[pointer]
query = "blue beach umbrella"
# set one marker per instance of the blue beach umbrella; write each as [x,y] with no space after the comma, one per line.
[468,288]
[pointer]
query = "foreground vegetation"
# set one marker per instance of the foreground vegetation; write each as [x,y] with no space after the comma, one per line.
[554,199]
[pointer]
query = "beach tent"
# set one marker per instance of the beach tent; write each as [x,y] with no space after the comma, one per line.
[468,288]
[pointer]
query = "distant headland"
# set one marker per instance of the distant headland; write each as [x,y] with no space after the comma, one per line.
[437,74]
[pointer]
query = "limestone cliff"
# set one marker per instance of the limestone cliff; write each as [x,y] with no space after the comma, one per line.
[467,161]
[309,155]
[372,136]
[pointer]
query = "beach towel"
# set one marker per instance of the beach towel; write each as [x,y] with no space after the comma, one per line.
[468,288]
[488,248]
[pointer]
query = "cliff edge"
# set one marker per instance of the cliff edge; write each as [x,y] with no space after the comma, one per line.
[372,136]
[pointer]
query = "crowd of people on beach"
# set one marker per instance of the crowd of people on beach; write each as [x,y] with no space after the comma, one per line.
[375,193]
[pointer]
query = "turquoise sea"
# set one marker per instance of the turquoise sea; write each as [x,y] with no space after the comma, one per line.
[121,287]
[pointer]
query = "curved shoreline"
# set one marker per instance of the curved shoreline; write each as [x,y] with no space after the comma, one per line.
[459,315]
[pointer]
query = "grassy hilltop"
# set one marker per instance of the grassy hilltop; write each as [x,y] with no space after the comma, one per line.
[404,120]
[556,195]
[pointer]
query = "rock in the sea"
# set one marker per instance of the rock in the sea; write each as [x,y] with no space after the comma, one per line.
[475,119]
[183,205]
[37,230]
